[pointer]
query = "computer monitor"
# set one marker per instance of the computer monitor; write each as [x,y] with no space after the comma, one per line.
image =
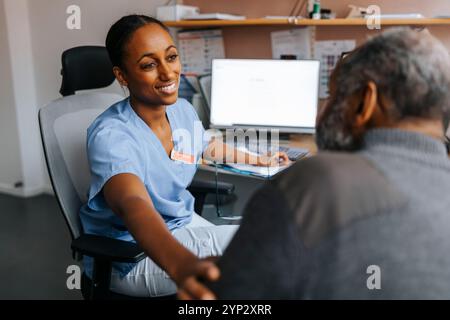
[265,94]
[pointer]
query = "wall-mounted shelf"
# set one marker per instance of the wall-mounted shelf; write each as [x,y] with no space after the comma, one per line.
[302,22]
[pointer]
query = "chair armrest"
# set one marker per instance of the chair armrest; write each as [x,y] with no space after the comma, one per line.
[105,248]
[210,187]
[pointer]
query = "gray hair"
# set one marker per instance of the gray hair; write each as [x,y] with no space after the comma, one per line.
[411,70]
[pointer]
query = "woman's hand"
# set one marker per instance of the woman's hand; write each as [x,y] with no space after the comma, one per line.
[190,286]
[277,159]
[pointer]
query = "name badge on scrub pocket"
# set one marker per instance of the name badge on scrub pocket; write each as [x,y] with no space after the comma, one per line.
[182,157]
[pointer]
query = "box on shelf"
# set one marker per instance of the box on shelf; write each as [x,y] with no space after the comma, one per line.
[175,12]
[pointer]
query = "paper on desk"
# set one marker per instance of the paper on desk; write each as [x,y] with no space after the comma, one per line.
[257,171]
[295,42]
[329,53]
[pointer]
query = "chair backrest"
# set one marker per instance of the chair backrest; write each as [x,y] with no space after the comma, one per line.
[63,124]
[205,88]
[85,67]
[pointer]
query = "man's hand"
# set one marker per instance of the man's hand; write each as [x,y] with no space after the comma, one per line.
[191,288]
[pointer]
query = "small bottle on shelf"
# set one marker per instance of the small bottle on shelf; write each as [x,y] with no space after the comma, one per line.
[316,10]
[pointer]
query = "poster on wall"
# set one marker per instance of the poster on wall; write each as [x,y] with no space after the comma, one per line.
[329,52]
[198,48]
[293,44]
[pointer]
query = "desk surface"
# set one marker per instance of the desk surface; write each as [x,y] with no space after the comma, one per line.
[306,141]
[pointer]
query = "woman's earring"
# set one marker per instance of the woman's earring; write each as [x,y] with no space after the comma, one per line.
[125,90]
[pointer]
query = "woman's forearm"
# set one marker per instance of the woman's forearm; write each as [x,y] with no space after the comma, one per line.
[221,152]
[151,233]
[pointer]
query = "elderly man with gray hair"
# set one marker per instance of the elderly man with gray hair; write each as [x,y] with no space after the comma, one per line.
[369,217]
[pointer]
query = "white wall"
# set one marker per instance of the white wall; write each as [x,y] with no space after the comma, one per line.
[10,167]
[33,35]
[25,105]
[51,37]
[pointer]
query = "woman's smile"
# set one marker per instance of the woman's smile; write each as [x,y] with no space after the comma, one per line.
[168,88]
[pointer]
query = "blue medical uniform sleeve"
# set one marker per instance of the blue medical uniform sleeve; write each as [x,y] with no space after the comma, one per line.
[110,152]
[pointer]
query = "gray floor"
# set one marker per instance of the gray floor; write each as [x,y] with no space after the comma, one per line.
[34,249]
[35,242]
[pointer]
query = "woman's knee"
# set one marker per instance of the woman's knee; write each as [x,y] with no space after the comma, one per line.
[206,241]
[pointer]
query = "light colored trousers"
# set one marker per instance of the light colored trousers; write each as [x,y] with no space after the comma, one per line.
[146,279]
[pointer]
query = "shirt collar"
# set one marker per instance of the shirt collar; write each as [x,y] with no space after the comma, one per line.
[409,140]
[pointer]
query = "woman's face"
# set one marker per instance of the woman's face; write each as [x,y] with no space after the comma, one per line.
[152,66]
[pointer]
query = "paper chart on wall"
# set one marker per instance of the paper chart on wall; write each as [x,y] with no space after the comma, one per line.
[294,42]
[329,52]
[198,49]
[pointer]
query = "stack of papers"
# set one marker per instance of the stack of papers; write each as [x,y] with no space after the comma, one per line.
[397,16]
[214,16]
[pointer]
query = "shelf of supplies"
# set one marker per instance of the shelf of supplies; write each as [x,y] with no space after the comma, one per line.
[302,22]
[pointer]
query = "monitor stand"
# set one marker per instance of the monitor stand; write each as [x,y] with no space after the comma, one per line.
[283,138]
[263,140]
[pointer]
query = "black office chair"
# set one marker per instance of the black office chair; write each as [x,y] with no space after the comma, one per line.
[63,125]
[85,67]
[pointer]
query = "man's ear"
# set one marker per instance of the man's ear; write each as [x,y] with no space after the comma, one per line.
[369,105]
[120,76]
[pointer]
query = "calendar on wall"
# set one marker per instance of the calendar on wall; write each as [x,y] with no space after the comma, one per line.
[329,52]
[198,48]
[292,43]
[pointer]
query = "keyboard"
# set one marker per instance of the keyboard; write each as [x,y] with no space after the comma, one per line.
[293,154]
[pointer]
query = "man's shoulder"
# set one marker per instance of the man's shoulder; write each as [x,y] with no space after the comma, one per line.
[325,168]
[330,190]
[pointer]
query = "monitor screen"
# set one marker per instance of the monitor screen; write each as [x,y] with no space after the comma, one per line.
[250,93]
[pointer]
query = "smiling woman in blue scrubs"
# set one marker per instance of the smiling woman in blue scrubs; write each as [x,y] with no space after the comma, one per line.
[139,176]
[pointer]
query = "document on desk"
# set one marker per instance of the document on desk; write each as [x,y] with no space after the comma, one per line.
[264,172]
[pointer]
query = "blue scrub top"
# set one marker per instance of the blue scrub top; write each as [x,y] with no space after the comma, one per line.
[119,141]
